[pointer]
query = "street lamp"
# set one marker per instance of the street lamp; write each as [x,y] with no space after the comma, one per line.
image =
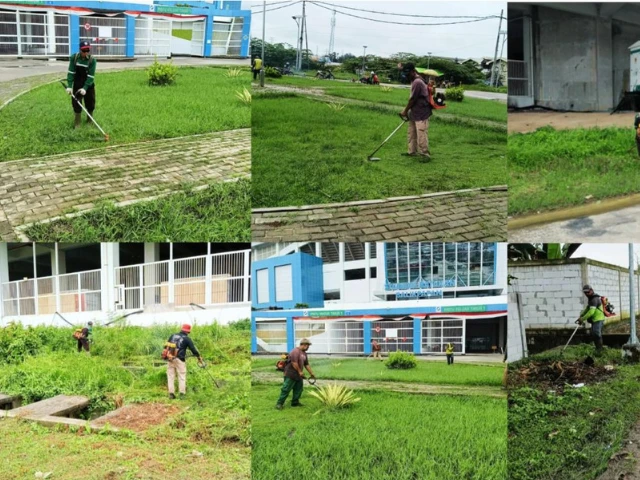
[264,15]
[364,55]
[428,59]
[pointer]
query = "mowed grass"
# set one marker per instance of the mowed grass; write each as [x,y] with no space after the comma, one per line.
[303,152]
[558,168]
[429,372]
[385,435]
[208,436]
[219,213]
[202,100]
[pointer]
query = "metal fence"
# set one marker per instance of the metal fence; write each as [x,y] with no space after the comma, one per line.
[34,34]
[272,335]
[227,35]
[72,292]
[332,336]
[209,279]
[107,35]
[437,333]
[153,37]
[518,78]
[393,336]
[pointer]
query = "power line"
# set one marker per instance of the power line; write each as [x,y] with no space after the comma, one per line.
[270,4]
[401,14]
[277,8]
[406,23]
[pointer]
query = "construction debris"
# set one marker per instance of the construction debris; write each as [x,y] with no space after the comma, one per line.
[558,374]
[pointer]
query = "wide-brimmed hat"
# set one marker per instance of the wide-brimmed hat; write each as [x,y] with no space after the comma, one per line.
[305,341]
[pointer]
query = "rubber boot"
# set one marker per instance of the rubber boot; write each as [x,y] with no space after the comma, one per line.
[77,121]
[89,122]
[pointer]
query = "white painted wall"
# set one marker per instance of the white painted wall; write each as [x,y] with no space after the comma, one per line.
[516,341]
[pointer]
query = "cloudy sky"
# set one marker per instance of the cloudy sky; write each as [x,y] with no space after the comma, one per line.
[615,253]
[464,40]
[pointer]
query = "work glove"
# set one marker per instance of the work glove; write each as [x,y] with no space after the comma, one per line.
[82,92]
[69,91]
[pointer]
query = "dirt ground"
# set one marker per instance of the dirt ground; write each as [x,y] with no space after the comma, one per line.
[138,417]
[624,465]
[529,121]
[558,374]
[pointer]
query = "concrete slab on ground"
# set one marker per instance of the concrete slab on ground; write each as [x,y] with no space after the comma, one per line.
[530,121]
[58,406]
[459,216]
[9,401]
[616,226]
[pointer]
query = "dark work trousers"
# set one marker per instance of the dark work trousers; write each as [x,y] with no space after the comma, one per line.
[449,358]
[596,333]
[89,100]
[83,343]
[289,384]
[638,143]
[256,72]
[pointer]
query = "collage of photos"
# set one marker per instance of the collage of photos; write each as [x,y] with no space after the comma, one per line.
[307,239]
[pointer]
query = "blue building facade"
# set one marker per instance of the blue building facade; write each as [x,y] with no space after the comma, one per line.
[54,28]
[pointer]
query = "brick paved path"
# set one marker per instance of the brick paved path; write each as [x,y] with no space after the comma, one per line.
[33,190]
[465,215]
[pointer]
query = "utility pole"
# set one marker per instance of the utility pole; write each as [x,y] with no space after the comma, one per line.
[299,64]
[333,33]
[264,21]
[364,56]
[495,55]
[633,339]
[296,18]
[428,59]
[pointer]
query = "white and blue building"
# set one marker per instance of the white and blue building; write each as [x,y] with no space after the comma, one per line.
[132,29]
[413,297]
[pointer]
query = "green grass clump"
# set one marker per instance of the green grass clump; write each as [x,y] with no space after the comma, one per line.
[219,213]
[401,361]
[574,434]
[296,161]
[385,435]
[127,108]
[429,372]
[558,168]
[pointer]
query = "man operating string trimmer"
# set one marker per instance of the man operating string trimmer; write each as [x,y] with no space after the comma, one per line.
[80,82]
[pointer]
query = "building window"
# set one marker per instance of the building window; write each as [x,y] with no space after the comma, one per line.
[263,285]
[374,272]
[488,263]
[330,253]
[308,248]
[284,283]
[355,274]
[353,251]
[332,295]
[373,250]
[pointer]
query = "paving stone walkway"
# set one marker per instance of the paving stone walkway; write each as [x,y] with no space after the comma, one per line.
[33,190]
[460,216]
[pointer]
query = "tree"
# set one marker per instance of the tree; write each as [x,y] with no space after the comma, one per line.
[541,251]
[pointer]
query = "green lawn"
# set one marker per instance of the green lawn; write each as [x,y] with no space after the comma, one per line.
[558,168]
[385,435]
[202,100]
[219,213]
[433,373]
[185,34]
[571,435]
[42,362]
[303,152]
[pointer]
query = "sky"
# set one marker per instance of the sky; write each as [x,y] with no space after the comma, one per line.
[466,40]
[614,253]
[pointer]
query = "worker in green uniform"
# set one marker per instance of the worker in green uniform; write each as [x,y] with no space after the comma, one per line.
[80,82]
[449,350]
[594,314]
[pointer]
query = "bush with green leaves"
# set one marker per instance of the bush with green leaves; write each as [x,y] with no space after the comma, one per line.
[334,396]
[271,72]
[401,360]
[162,73]
[455,94]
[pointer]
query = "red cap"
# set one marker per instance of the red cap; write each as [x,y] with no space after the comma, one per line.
[186,328]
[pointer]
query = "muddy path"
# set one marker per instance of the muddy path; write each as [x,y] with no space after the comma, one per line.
[402,387]
[625,464]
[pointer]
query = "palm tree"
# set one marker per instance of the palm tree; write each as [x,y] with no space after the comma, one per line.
[541,251]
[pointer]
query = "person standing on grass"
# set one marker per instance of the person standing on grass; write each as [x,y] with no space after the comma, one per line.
[594,314]
[449,350]
[636,124]
[294,375]
[256,66]
[80,82]
[418,110]
[178,365]
[85,337]
[376,350]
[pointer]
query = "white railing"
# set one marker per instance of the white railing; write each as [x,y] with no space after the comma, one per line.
[221,278]
[71,292]
[36,34]
[153,37]
[108,36]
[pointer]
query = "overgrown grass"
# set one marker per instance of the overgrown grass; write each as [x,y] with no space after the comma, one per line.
[571,436]
[219,213]
[434,373]
[40,122]
[558,168]
[305,153]
[385,435]
[211,421]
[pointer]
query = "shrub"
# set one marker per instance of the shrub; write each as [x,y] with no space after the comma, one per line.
[244,96]
[336,107]
[162,73]
[233,72]
[401,360]
[271,72]
[455,94]
[334,396]
[241,325]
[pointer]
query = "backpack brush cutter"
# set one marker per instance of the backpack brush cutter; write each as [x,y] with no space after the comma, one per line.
[106,137]
[371,157]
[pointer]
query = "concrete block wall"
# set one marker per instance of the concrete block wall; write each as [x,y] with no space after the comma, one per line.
[551,294]
[613,284]
[515,347]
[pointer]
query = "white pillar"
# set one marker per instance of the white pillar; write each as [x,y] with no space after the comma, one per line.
[109,261]
[35,279]
[4,273]
[367,270]
[171,276]
[247,273]
[207,276]
[51,33]
[151,255]
[56,270]
[341,263]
